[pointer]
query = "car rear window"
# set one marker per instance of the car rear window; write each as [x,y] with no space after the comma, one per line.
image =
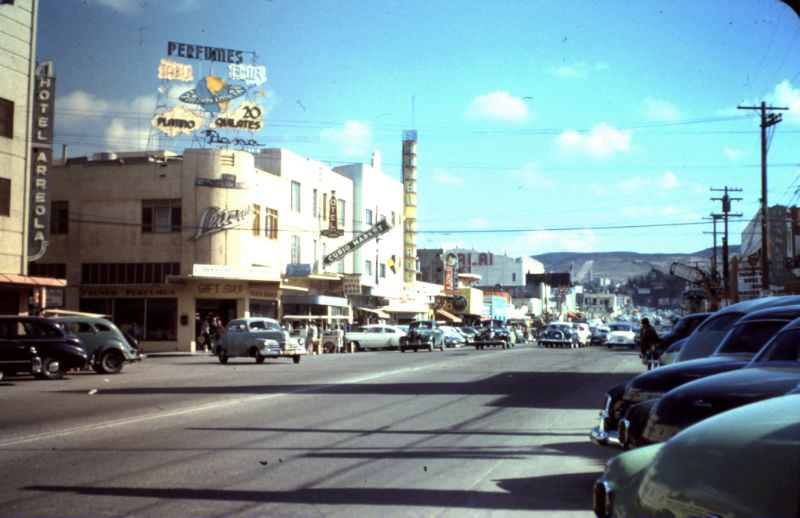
[785,347]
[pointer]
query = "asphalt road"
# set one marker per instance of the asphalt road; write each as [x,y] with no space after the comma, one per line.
[455,433]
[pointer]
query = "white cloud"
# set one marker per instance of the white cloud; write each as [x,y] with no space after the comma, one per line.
[733,153]
[124,125]
[637,212]
[500,106]
[602,141]
[668,181]
[478,223]
[599,191]
[531,176]
[786,96]
[442,177]
[354,137]
[660,110]
[121,6]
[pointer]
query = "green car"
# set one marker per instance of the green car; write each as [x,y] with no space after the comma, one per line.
[106,344]
[742,462]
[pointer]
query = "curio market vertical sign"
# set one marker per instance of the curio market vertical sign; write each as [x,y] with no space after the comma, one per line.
[42,154]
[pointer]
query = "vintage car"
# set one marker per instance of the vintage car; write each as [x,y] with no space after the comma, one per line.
[680,330]
[423,334]
[621,333]
[742,462]
[558,334]
[748,335]
[670,355]
[107,346]
[616,493]
[38,346]
[599,335]
[453,337]
[258,338]
[470,333]
[374,336]
[774,372]
[703,341]
[493,333]
[583,332]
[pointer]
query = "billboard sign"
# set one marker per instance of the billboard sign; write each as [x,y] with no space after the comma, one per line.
[219,103]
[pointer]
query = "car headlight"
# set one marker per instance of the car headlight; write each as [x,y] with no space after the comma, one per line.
[32,350]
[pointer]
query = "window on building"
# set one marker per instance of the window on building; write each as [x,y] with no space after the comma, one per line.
[340,213]
[340,266]
[314,206]
[513,277]
[295,196]
[5,196]
[369,216]
[59,217]
[256,220]
[314,251]
[383,271]
[52,270]
[271,223]
[159,216]
[324,211]
[127,273]
[368,267]
[6,118]
[393,217]
[295,249]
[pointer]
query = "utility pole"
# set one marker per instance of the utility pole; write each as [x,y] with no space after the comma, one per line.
[714,270]
[767,120]
[726,209]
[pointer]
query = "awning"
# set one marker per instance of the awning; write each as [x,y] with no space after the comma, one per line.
[27,280]
[376,312]
[449,316]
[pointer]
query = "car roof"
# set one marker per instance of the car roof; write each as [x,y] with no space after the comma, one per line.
[779,312]
[80,319]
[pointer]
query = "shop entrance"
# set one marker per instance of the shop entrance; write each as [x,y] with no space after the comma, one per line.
[207,310]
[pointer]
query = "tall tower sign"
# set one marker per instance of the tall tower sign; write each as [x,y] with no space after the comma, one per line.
[410,206]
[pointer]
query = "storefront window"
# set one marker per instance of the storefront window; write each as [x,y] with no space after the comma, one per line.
[162,316]
[157,318]
[264,308]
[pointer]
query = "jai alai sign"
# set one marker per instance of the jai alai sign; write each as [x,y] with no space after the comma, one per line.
[41,160]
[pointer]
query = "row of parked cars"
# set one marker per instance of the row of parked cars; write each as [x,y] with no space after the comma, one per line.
[431,335]
[47,347]
[716,432]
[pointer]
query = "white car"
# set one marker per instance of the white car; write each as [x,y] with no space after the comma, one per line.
[453,337]
[583,332]
[621,333]
[375,336]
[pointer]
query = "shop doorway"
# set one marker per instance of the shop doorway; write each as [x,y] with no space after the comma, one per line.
[207,309]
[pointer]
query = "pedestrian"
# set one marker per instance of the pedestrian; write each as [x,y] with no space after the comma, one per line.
[648,339]
[205,332]
[311,337]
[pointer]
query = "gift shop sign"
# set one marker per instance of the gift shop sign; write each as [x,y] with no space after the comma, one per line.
[42,153]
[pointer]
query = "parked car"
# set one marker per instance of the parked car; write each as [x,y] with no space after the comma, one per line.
[558,334]
[747,336]
[773,372]
[493,333]
[423,334]
[670,355]
[258,338]
[599,335]
[375,336]
[702,342]
[38,346]
[452,337]
[470,334]
[621,333]
[680,330]
[107,346]
[583,332]
[616,492]
[742,462]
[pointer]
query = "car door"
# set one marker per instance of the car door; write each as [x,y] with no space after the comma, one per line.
[375,337]
[14,353]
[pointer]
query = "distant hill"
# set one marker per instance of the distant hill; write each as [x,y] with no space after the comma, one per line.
[620,266]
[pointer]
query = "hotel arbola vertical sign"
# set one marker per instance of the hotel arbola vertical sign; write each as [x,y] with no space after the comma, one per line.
[44,89]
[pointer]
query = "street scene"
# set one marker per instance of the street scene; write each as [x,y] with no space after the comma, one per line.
[430,258]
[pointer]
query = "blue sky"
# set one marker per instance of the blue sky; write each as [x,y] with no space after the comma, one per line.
[553,119]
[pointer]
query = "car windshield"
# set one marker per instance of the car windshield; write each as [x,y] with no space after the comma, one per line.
[620,327]
[749,337]
[708,335]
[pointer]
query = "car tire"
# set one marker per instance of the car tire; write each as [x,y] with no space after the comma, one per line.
[222,354]
[111,362]
[51,369]
[259,358]
[296,358]
[402,349]
[329,347]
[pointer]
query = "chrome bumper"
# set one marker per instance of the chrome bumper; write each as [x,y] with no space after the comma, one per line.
[604,438]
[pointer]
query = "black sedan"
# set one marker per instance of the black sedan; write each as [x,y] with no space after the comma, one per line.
[37,346]
[774,372]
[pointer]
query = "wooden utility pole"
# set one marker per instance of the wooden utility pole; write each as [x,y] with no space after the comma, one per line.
[726,209]
[767,120]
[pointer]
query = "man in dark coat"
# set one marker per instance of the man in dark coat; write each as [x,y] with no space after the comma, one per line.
[648,339]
